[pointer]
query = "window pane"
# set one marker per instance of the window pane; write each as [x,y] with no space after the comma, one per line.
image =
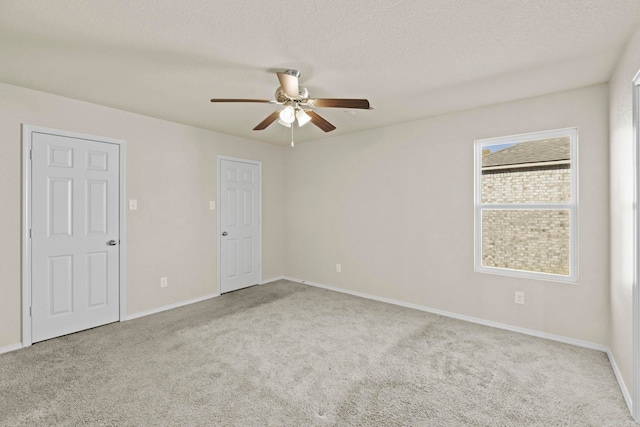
[536,171]
[529,240]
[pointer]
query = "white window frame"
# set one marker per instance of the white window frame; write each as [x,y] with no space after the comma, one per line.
[571,206]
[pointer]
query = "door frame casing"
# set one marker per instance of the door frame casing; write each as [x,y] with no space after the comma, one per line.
[27,132]
[218,209]
[635,386]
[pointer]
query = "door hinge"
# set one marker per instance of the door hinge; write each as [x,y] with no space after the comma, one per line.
[29,233]
[30,153]
[30,312]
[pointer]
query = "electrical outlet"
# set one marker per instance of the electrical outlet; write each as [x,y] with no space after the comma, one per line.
[338,268]
[163,282]
[519,297]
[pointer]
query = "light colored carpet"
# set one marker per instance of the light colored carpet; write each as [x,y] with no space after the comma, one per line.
[286,354]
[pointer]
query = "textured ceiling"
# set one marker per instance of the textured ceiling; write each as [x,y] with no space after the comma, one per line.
[411,59]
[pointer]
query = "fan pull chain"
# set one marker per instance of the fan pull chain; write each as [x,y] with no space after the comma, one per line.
[292,144]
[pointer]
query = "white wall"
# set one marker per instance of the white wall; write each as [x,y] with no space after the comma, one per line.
[171,171]
[394,206]
[622,198]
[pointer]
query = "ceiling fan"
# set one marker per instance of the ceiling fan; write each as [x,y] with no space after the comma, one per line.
[298,107]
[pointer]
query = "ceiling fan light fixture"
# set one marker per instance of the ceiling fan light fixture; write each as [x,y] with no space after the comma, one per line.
[284,123]
[303,118]
[288,115]
[297,105]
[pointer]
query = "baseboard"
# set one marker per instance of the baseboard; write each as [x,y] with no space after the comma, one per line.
[273,279]
[532,332]
[169,307]
[8,348]
[133,316]
[623,386]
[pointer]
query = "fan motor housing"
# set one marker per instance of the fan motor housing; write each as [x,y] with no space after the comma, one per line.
[281,97]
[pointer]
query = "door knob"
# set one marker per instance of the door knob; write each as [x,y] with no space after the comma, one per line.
[112,243]
[224,233]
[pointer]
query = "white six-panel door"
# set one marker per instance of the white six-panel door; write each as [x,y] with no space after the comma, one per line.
[240,229]
[75,186]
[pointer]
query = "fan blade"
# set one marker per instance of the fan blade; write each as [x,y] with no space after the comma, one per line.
[362,104]
[317,120]
[266,122]
[289,84]
[239,100]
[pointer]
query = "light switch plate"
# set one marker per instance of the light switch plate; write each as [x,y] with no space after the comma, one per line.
[212,205]
[133,205]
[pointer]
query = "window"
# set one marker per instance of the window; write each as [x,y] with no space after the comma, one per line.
[526,205]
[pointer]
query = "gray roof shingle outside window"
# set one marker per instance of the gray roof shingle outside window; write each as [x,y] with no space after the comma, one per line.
[538,151]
